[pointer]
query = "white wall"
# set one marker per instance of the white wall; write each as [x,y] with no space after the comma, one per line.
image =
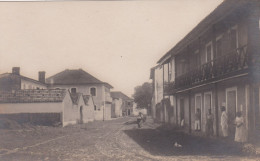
[12,108]
[25,84]
[158,76]
[85,89]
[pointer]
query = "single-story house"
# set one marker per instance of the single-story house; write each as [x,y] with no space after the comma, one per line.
[46,106]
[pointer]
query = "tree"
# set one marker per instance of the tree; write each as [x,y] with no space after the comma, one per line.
[143,95]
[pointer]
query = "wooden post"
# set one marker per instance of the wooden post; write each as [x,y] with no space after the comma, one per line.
[216,109]
[176,109]
[189,111]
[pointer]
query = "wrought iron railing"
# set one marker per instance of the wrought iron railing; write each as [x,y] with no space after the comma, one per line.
[221,67]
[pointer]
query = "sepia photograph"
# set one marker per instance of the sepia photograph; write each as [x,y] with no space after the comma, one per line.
[129,80]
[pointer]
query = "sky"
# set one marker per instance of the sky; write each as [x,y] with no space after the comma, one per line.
[115,41]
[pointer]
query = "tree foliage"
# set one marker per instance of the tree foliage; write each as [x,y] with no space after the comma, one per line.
[143,95]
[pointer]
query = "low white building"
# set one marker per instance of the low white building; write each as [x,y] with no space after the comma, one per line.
[46,106]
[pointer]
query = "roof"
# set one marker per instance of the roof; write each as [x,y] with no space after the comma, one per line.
[86,99]
[5,75]
[152,71]
[118,94]
[226,7]
[74,77]
[32,96]
[76,96]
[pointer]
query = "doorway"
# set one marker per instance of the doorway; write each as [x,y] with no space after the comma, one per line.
[181,110]
[129,112]
[231,98]
[81,114]
[207,106]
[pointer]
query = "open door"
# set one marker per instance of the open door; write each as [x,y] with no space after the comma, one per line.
[231,96]
[81,114]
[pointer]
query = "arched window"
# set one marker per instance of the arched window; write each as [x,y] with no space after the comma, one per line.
[93,91]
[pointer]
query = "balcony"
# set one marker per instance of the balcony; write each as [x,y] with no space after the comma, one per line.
[230,64]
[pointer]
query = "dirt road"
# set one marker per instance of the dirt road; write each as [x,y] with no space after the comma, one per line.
[118,139]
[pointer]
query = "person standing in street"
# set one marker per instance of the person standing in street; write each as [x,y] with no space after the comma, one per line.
[240,135]
[139,119]
[224,121]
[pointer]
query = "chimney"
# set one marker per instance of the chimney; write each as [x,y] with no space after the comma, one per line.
[16,70]
[42,76]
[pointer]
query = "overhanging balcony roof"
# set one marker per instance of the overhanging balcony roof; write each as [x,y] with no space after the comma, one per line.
[226,7]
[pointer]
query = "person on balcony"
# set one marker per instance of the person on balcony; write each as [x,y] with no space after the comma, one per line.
[209,124]
[197,119]
[224,121]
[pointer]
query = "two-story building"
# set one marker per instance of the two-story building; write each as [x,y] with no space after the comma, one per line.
[80,81]
[214,65]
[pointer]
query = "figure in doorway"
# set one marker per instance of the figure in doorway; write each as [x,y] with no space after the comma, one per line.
[197,119]
[209,124]
[240,135]
[224,121]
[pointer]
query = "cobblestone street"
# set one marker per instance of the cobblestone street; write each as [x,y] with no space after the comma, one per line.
[118,139]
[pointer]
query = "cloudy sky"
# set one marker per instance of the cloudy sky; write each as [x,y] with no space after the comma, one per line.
[116,41]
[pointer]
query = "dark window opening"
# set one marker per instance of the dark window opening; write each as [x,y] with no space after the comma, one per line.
[93,91]
[219,47]
[73,90]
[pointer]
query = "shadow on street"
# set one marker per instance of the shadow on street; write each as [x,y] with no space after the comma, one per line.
[130,122]
[161,143]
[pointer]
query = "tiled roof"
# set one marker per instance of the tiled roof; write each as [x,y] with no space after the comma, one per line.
[75,98]
[32,96]
[121,95]
[72,77]
[86,99]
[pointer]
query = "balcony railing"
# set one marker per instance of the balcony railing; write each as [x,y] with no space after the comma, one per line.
[227,65]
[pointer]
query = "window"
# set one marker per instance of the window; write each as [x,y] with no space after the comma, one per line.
[93,91]
[73,90]
[182,66]
[129,103]
[219,46]
[233,38]
[165,68]
[209,52]
[197,58]
[170,70]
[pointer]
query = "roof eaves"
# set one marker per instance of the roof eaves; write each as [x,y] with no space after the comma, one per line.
[188,38]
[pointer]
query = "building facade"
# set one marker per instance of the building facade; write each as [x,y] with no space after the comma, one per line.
[46,106]
[122,105]
[215,65]
[15,81]
[82,82]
